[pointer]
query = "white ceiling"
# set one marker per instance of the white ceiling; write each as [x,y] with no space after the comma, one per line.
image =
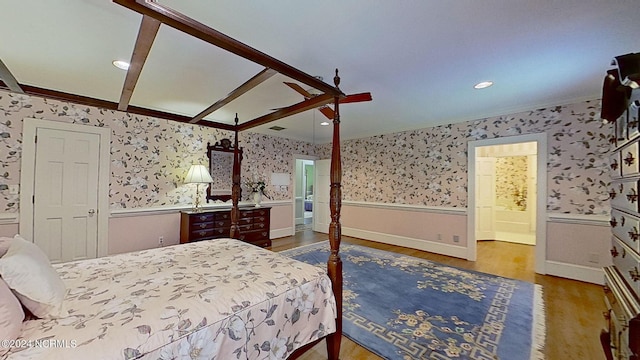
[418,58]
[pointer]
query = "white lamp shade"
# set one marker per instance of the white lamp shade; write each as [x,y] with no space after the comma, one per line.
[280,179]
[198,174]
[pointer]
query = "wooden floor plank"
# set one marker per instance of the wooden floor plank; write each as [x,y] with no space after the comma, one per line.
[573,308]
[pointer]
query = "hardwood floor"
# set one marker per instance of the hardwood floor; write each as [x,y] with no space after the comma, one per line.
[573,308]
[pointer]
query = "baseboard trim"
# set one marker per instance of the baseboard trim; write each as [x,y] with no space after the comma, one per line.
[419,244]
[278,233]
[575,272]
[554,268]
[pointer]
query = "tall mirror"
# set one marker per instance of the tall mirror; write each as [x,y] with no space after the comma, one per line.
[221,168]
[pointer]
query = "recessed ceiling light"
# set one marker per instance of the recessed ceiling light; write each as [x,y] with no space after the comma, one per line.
[482,85]
[123,65]
[324,123]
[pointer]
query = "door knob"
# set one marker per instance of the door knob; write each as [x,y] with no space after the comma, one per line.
[91,212]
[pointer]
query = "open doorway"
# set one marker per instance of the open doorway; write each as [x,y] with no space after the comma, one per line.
[507,191]
[304,191]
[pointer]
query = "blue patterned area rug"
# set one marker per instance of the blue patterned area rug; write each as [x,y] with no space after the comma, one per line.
[402,307]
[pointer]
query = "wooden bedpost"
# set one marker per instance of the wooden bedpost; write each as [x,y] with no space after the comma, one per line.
[234,233]
[334,264]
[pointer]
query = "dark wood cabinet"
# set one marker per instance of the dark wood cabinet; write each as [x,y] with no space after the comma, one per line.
[254,224]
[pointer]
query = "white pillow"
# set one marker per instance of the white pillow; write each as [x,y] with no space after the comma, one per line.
[28,272]
[4,245]
[11,316]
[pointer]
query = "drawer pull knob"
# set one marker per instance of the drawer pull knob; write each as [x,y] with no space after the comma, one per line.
[633,234]
[632,196]
[612,194]
[614,165]
[629,160]
[635,276]
[613,222]
[614,252]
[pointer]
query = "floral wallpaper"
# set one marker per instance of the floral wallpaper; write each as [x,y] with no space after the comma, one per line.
[264,155]
[429,166]
[511,182]
[149,156]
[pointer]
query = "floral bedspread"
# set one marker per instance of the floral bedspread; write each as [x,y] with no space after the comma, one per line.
[221,299]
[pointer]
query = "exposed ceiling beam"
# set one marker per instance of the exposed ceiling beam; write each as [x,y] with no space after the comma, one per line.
[205,33]
[146,35]
[89,101]
[248,85]
[305,105]
[7,77]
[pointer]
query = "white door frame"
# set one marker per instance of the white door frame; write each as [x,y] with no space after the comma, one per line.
[541,194]
[293,189]
[27,175]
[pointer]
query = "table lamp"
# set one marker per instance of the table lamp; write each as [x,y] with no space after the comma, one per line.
[198,174]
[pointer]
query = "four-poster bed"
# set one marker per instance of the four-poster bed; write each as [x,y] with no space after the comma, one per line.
[155,15]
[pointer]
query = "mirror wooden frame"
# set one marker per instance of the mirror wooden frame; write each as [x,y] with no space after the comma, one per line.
[224,146]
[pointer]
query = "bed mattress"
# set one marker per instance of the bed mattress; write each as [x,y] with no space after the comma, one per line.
[216,299]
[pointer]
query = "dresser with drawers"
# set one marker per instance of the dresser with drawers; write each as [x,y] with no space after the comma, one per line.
[254,224]
[621,339]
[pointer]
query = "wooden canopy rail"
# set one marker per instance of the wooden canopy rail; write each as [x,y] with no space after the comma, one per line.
[248,85]
[8,79]
[151,9]
[147,34]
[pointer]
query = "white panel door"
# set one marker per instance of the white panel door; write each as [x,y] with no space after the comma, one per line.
[321,212]
[66,195]
[485,198]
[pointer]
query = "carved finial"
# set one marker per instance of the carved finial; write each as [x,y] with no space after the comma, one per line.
[236,119]
[336,79]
